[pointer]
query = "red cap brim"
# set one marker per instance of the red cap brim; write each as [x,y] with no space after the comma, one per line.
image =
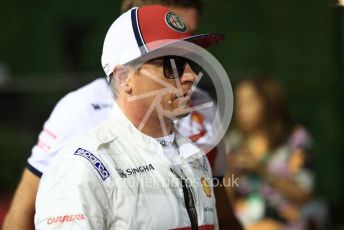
[205,40]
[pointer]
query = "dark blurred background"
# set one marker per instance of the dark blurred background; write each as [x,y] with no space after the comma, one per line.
[48,48]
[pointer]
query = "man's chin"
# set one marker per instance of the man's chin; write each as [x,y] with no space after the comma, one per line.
[179,108]
[179,116]
[178,113]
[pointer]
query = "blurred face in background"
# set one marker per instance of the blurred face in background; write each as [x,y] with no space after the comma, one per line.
[249,107]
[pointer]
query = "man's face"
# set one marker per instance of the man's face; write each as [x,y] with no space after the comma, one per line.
[168,94]
[188,15]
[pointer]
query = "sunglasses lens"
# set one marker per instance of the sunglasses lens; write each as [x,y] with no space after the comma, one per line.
[174,62]
[196,68]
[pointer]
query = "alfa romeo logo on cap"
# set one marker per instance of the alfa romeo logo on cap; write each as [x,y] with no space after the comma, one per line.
[175,23]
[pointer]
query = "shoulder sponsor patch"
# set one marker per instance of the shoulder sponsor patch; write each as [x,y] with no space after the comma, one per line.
[97,164]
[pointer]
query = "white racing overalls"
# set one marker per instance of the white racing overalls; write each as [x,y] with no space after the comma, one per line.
[115,177]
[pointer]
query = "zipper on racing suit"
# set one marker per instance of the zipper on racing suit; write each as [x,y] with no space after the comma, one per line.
[188,199]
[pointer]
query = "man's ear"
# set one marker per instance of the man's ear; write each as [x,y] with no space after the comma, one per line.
[121,73]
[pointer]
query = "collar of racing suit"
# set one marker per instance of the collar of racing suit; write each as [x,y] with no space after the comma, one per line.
[117,120]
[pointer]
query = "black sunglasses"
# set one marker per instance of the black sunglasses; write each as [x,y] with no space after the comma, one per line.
[180,63]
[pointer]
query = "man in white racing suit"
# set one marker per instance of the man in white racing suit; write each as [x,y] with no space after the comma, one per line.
[117,176]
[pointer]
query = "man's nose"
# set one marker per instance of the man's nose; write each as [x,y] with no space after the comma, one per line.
[189,76]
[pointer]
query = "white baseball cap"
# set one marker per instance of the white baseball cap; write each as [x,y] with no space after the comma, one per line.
[143,29]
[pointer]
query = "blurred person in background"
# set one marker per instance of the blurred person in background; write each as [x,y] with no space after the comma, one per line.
[270,157]
[85,108]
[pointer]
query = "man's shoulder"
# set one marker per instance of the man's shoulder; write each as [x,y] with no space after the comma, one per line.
[72,107]
[96,136]
[94,86]
[80,158]
[97,89]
